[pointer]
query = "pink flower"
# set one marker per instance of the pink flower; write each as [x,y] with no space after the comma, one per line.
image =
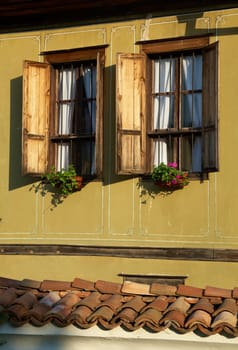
[178,176]
[173,165]
[174,182]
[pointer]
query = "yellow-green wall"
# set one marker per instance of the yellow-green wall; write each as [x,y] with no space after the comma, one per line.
[115,212]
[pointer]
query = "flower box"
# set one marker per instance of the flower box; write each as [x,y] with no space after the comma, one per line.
[168,177]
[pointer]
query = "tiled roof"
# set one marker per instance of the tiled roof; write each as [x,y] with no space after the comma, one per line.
[154,307]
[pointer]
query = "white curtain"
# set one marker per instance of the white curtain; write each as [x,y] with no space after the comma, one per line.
[163,105]
[67,92]
[191,103]
[67,95]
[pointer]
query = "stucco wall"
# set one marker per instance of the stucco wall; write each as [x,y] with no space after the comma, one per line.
[113,211]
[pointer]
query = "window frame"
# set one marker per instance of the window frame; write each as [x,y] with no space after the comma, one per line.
[149,49]
[47,153]
[176,133]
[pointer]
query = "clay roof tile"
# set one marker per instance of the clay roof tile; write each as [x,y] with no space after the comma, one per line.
[163,289]
[108,287]
[136,288]
[217,292]
[154,307]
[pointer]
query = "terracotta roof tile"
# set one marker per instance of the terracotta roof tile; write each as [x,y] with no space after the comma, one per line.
[102,313]
[163,289]
[27,300]
[227,305]
[50,299]
[83,284]
[7,282]
[235,293]
[199,317]
[27,283]
[8,297]
[149,318]
[217,292]
[204,305]
[223,318]
[114,302]
[160,304]
[92,301]
[70,300]
[108,287]
[175,318]
[136,288]
[136,304]
[154,307]
[180,305]
[189,291]
[47,285]
[80,315]
[126,316]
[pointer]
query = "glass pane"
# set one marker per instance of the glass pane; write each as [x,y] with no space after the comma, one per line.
[187,110]
[163,150]
[187,73]
[192,72]
[197,110]
[63,151]
[88,122]
[197,154]
[186,145]
[197,81]
[192,110]
[164,75]
[65,125]
[163,112]
[66,99]
[88,81]
[191,153]
[87,163]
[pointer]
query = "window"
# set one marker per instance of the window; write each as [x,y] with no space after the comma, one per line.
[167,106]
[62,112]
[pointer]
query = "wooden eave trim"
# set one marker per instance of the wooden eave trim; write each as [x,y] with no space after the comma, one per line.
[172,44]
[89,52]
[188,254]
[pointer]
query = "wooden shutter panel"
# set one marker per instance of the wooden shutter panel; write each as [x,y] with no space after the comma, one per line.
[130,114]
[99,115]
[210,108]
[36,101]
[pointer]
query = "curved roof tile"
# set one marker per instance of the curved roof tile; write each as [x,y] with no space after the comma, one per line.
[130,305]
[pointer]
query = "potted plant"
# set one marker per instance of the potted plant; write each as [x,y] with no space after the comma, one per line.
[66,181]
[169,177]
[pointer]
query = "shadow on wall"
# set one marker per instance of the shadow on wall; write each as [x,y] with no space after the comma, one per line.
[16,179]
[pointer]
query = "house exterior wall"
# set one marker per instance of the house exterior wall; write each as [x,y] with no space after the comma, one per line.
[49,337]
[114,211]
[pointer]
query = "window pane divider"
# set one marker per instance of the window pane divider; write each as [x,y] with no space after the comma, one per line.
[72,137]
[156,133]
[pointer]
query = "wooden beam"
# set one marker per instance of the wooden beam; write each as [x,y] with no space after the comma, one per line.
[189,254]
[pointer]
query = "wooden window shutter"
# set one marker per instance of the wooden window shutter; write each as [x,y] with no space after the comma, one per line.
[210,108]
[131,141]
[36,102]
[99,116]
